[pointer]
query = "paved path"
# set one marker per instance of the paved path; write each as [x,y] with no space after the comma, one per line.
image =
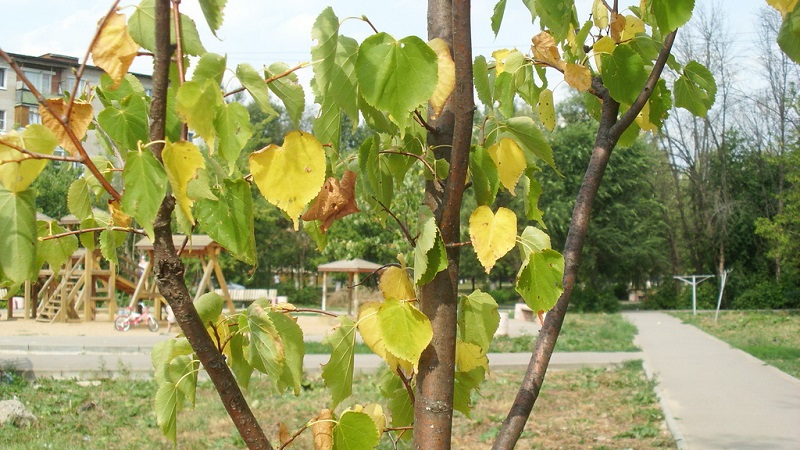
[718,397]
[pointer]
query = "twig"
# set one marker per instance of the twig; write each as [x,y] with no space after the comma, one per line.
[269,80]
[410,155]
[79,73]
[407,384]
[424,124]
[294,436]
[373,273]
[458,244]
[312,310]
[92,230]
[34,155]
[365,19]
[176,18]
[216,335]
[403,228]
[85,159]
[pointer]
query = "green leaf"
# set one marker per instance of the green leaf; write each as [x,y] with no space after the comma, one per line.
[539,279]
[127,124]
[288,90]
[483,171]
[399,403]
[18,238]
[182,372]
[557,16]
[198,103]
[211,66]
[478,319]
[480,76]
[338,372]
[232,124]
[325,31]
[660,103]
[54,251]
[623,74]
[238,362]
[142,25]
[355,431]
[530,138]
[209,308]
[396,76]
[789,34]
[343,78]
[109,242]
[504,92]
[168,399]
[266,352]
[465,383]
[430,256]
[293,348]
[145,187]
[696,89]
[213,12]
[406,331]
[671,14]
[533,190]
[533,240]
[256,86]
[327,124]
[78,201]
[16,177]
[497,16]
[377,176]
[229,220]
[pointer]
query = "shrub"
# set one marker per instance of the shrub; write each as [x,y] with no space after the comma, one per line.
[707,293]
[505,296]
[768,295]
[664,296]
[307,296]
[587,299]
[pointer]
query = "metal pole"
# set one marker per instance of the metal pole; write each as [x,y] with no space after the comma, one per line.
[694,295]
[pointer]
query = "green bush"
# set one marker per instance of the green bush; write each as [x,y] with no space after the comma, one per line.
[707,294]
[307,296]
[768,295]
[506,296]
[587,299]
[664,296]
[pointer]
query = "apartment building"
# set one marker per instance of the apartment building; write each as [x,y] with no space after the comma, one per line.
[52,75]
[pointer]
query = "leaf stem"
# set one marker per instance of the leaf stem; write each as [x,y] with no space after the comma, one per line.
[269,80]
[93,230]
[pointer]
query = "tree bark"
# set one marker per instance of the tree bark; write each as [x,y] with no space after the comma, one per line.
[433,408]
[169,269]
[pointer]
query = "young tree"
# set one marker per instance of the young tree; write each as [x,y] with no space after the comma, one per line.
[434,341]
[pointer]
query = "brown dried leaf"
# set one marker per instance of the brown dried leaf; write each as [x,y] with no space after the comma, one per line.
[546,51]
[323,430]
[117,215]
[79,120]
[114,49]
[617,26]
[578,76]
[283,434]
[335,200]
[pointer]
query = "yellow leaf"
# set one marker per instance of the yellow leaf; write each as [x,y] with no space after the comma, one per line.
[290,177]
[546,109]
[323,430]
[600,14]
[396,283]
[119,217]
[500,56]
[284,435]
[469,357]
[447,76]
[493,235]
[371,333]
[617,25]
[182,160]
[114,49]
[545,50]
[510,161]
[375,412]
[79,119]
[16,177]
[578,76]
[784,6]
[604,46]
[643,119]
[633,25]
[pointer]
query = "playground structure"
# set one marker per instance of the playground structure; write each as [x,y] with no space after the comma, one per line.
[87,283]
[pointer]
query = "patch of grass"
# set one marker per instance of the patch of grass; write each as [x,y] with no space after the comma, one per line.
[588,332]
[581,408]
[773,337]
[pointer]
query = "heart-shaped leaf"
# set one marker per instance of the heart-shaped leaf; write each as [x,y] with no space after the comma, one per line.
[493,235]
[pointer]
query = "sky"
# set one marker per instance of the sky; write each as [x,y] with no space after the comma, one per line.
[261,32]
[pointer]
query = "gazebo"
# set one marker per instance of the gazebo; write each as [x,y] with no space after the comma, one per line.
[353,268]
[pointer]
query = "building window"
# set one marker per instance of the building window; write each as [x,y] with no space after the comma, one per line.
[34,117]
[2,121]
[2,78]
[42,81]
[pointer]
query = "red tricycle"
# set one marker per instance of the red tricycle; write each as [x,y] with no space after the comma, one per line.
[130,316]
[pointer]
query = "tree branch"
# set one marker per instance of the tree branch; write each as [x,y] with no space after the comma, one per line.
[34,155]
[403,227]
[93,230]
[269,80]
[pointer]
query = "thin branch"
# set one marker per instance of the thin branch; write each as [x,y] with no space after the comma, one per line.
[269,80]
[407,384]
[79,73]
[312,310]
[373,273]
[630,115]
[365,19]
[424,124]
[458,244]
[295,435]
[34,155]
[85,159]
[403,227]
[176,19]
[93,230]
